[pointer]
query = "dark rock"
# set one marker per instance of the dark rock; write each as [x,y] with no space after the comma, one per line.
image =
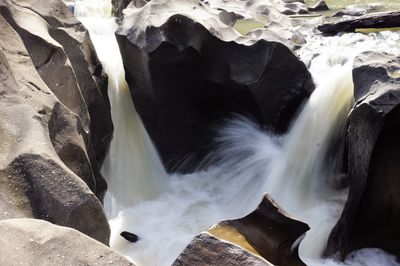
[205,250]
[46,131]
[36,242]
[371,214]
[267,232]
[129,236]
[320,6]
[376,20]
[185,78]
[272,233]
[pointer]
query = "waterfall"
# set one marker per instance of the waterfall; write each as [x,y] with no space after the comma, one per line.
[166,212]
[132,168]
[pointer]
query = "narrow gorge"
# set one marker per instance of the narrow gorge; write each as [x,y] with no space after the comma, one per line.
[190,132]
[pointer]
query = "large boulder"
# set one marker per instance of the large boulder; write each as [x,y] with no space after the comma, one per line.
[268,233]
[36,242]
[372,212]
[63,55]
[188,71]
[46,133]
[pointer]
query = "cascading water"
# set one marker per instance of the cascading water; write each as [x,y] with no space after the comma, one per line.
[136,170]
[167,212]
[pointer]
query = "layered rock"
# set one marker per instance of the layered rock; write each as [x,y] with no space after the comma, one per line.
[376,20]
[208,250]
[268,232]
[36,242]
[54,121]
[189,71]
[64,57]
[371,214]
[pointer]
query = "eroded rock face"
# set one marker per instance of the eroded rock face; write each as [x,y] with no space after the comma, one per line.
[187,72]
[48,156]
[268,232]
[371,215]
[62,53]
[36,242]
[207,250]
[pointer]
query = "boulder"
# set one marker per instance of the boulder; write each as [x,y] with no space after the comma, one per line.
[45,143]
[372,211]
[268,231]
[63,55]
[37,242]
[206,250]
[375,20]
[267,236]
[120,5]
[189,71]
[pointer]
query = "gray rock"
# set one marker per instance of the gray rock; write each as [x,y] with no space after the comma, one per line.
[206,250]
[186,73]
[371,214]
[44,141]
[62,53]
[35,242]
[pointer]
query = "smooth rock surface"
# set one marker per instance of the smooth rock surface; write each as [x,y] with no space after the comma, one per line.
[269,231]
[188,72]
[45,142]
[206,250]
[62,53]
[36,242]
[372,212]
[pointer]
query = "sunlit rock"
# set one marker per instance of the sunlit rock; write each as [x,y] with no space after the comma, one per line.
[45,126]
[371,214]
[36,242]
[268,232]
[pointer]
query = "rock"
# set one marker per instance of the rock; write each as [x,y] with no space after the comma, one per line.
[36,242]
[269,231]
[129,236]
[320,6]
[45,132]
[62,53]
[187,73]
[375,20]
[371,214]
[267,236]
[205,250]
[119,5]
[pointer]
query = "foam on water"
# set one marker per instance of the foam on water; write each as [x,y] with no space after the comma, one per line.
[166,212]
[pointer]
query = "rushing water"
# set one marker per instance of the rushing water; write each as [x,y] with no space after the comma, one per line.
[166,212]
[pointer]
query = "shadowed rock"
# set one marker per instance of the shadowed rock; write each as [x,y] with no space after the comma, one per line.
[186,75]
[129,236]
[376,20]
[266,232]
[371,214]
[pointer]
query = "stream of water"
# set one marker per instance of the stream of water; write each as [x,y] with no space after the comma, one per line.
[167,211]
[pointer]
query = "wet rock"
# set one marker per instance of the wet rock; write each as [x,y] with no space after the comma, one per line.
[36,242]
[207,250]
[371,214]
[188,72]
[119,6]
[129,236]
[267,232]
[45,131]
[64,57]
[376,20]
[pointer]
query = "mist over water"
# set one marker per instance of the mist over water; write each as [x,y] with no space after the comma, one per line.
[167,211]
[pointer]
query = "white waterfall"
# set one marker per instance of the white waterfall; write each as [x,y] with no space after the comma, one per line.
[132,168]
[166,212]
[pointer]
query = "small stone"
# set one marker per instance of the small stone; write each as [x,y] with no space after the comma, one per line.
[129,236]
